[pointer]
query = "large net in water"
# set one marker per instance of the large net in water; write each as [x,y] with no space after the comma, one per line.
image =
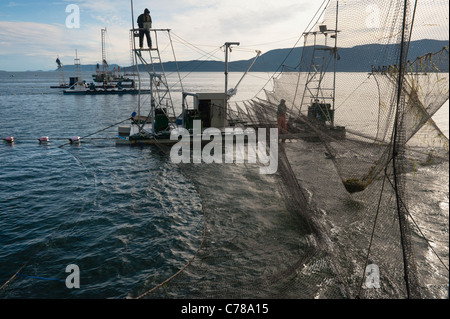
[362,146]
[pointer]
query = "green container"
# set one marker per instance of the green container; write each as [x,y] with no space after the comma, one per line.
[161,120]
[321,112]
[189,118]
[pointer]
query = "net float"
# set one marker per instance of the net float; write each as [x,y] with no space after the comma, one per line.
[74,139]
[9,139]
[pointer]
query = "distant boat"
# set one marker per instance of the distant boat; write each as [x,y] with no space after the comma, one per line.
[62,80]
[109,82]
[84,89]
[107,78]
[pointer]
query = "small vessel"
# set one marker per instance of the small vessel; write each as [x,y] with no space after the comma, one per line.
[199,111]
[109,78]
[81,88]
[105,82]
[76,82]
[62,78]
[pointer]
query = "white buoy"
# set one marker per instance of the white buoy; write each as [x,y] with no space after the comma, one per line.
[74,139]
[9,139]
[43,139]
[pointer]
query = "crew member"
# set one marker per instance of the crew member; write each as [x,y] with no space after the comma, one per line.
[145,23]
[281,117]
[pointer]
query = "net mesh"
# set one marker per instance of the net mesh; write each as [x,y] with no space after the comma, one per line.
[361,145]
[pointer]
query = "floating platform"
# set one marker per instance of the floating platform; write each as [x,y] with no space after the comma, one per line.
[106,91]
[60,86]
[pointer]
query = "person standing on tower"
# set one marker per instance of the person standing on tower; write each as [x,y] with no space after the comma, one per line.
[145,23]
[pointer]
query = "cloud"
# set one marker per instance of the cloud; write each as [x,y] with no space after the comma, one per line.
[14,4]
[30,39]
[205,24]
[256,24]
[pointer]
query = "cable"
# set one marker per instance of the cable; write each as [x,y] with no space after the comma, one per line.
[371,236]
[298,40]
[418,228]
[104,129]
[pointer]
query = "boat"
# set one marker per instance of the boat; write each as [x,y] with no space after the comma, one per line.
[207,110]
[76,83]
[110,78]
[75,80]
[359,141]
[105,82]
[62,77]
[350,174]
[88,89]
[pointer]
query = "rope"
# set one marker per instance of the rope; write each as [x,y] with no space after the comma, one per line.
[15,274]
[176,62]
[298,40]
[371,236]
[104,129]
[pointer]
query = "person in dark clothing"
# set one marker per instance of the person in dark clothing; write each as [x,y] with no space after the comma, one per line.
[281,118]
[145,23]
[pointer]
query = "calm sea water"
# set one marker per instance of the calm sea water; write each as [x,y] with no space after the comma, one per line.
[127,216]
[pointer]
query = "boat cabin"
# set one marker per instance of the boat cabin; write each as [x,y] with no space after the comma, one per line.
[210,108]
[321,112]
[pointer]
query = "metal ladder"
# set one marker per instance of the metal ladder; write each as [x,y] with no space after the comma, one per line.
[161,97]
[314,88]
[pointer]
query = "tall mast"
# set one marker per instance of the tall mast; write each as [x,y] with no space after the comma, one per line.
[227,47]
[335,60]
[136,59]
[77,67]
[104,52]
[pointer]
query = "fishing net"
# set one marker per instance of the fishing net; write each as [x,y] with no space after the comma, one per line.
[362,172]
[376,135]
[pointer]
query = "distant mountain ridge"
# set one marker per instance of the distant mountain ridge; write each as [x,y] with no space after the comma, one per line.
[87,67]
[354,59]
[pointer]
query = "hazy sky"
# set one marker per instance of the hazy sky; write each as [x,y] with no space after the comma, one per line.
[33,33]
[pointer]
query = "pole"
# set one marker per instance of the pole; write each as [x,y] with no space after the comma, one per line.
[227,47]
[335,58]
[136,61]
[410,271]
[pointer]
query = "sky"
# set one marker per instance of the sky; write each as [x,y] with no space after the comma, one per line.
[34,33]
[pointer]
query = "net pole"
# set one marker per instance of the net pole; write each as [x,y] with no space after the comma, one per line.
[399,140]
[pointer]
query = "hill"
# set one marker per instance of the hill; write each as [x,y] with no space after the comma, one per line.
[354,59]
[86,67]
